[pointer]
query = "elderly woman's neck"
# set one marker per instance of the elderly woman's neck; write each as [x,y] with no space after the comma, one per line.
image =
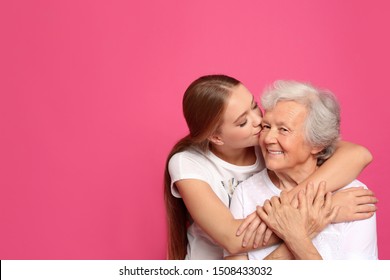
[287,180]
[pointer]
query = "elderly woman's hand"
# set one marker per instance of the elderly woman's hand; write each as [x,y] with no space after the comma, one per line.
[302,218]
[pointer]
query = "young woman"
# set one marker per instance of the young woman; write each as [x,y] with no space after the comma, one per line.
[220,151]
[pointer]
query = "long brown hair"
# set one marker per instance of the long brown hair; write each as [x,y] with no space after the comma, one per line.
[203,105]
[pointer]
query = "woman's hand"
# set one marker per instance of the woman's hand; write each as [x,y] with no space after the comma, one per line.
[303,217]
[355,204]
[252,225]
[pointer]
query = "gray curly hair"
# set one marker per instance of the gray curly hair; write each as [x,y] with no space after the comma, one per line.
[322,125]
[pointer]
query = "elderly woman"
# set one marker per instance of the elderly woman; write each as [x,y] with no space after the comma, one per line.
[299,131]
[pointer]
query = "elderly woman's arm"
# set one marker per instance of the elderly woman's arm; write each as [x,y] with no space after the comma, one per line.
[297,222]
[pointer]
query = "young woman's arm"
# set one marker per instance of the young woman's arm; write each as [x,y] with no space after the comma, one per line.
[340,169]
[208,211]
[355,204]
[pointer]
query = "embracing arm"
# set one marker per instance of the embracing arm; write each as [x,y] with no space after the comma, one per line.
[303,249]
[340,169]
[209,212]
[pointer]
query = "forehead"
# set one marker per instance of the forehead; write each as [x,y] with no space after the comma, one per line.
[289,112]
[238,102]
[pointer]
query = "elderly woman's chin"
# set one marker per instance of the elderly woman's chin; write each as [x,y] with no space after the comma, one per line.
[272,165]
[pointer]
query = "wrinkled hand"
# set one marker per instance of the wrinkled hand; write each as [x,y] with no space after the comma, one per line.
[320,209]
[304,217]
[253,225]
[355,204]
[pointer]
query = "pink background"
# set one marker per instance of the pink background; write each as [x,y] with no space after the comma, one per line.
[90,105]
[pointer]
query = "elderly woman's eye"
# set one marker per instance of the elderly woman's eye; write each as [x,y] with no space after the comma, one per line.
[265,126]
[282,129]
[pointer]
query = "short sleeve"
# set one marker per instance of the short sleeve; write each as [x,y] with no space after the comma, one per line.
[359,237]
[360,240]
[186,166]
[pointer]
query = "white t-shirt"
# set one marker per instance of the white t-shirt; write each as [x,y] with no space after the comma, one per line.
[222,177]
[350,240]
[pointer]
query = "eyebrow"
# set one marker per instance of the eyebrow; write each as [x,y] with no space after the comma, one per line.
[243,114]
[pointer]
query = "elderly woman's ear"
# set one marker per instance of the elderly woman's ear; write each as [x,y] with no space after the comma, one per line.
[316,150]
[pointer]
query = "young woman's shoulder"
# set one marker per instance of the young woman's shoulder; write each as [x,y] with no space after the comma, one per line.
[191,160]
[189,164]
[190,156]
